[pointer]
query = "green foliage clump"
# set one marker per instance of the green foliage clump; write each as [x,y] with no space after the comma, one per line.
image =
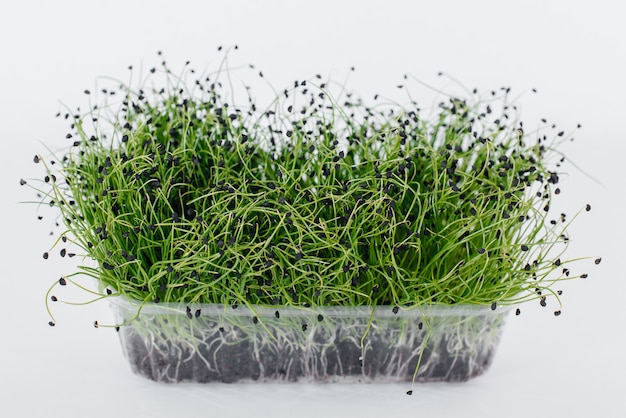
[181,196]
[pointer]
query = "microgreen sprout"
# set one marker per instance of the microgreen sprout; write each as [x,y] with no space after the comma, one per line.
[182,194]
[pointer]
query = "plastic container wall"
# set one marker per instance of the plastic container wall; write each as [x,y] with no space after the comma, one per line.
[217,343]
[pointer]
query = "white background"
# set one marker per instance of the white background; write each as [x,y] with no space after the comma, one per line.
[572,52]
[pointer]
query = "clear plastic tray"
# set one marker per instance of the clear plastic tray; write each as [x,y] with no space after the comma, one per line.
[218,343]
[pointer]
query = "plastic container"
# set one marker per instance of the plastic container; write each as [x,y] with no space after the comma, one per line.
[218,343]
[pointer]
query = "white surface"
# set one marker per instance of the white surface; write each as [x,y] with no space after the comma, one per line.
[572,52]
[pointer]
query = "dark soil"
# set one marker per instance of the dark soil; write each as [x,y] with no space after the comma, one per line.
[322,353]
